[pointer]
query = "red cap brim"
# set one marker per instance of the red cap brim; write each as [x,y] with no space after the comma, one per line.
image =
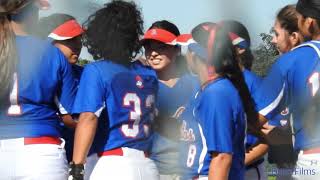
[160,35]
[68,30]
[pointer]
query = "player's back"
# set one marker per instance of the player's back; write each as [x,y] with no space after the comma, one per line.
[42,77]
[127,94]
[214,122]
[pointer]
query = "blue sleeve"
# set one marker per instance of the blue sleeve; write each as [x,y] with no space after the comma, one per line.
[270,96]
[256,83]
[91,93]
[68,88]
[218,123]
[251,140]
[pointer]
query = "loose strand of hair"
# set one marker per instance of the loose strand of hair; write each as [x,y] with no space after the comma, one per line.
[8,57]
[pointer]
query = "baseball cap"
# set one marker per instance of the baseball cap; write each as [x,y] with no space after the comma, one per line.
[67,30]
[238,41]
[161,35]
[203,35]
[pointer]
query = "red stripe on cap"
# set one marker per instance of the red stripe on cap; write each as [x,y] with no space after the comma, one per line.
[160,35]
[212,35]
[67,30]
[235,38]
[185,39]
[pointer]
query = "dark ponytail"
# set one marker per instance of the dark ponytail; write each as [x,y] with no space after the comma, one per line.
[224,61]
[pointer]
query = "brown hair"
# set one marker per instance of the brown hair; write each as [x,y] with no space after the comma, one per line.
[288,19]
[8,52]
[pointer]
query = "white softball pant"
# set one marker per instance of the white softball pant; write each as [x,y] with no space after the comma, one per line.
[21,161]
[129,164]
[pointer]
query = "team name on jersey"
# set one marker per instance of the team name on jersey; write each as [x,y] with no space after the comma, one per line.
[186,134]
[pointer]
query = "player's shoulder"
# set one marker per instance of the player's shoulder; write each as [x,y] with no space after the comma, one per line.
[219,89]
[303,51]
[33,43]
[143,69]
[250,74]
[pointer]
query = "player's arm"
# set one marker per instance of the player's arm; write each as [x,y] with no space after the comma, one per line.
[220,166]
[255,153]
[68,121]
[270,97]
[84,135]
[89,103]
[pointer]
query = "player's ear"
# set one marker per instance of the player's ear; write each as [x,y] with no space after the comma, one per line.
[295,38]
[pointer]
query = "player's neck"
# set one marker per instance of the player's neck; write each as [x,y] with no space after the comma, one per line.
[205,77]
[316,37]
[168,76]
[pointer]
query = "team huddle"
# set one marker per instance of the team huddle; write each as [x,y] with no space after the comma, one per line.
[189,109]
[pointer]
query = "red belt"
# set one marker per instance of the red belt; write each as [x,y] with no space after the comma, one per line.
[312,151]
[42,140]
[115,152]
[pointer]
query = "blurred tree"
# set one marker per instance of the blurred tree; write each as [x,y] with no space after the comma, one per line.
[265,54]
[83,62]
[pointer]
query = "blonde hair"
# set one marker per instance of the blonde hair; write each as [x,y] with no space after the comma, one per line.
[8,52]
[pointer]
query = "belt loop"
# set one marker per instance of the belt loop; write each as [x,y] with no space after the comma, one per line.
[63,143]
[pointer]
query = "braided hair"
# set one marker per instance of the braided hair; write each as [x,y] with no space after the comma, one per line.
[223,57]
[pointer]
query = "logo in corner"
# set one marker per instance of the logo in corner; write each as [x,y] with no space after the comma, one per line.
[285,112]
[139,82]
[153,32]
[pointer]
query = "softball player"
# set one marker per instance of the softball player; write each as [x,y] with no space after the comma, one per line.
[126,89]
[214,125]
[255,150]
[65,33]
[175,89]
[293,82]
[30,144]
[286,36]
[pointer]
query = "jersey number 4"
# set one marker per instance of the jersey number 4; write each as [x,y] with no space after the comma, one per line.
[132,100]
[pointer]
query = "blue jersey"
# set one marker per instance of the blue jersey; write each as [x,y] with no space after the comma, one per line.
[127,94]
[293,82]
[68,133]
[77,71]
[42,82]
[171,102]
[252,82]
[214,122]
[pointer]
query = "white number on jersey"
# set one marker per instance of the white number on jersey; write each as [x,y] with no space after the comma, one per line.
[14,109]
[191,155]
[132,99]
[314,81]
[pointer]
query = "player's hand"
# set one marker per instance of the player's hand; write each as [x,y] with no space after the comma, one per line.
[76,171]
[267,128]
